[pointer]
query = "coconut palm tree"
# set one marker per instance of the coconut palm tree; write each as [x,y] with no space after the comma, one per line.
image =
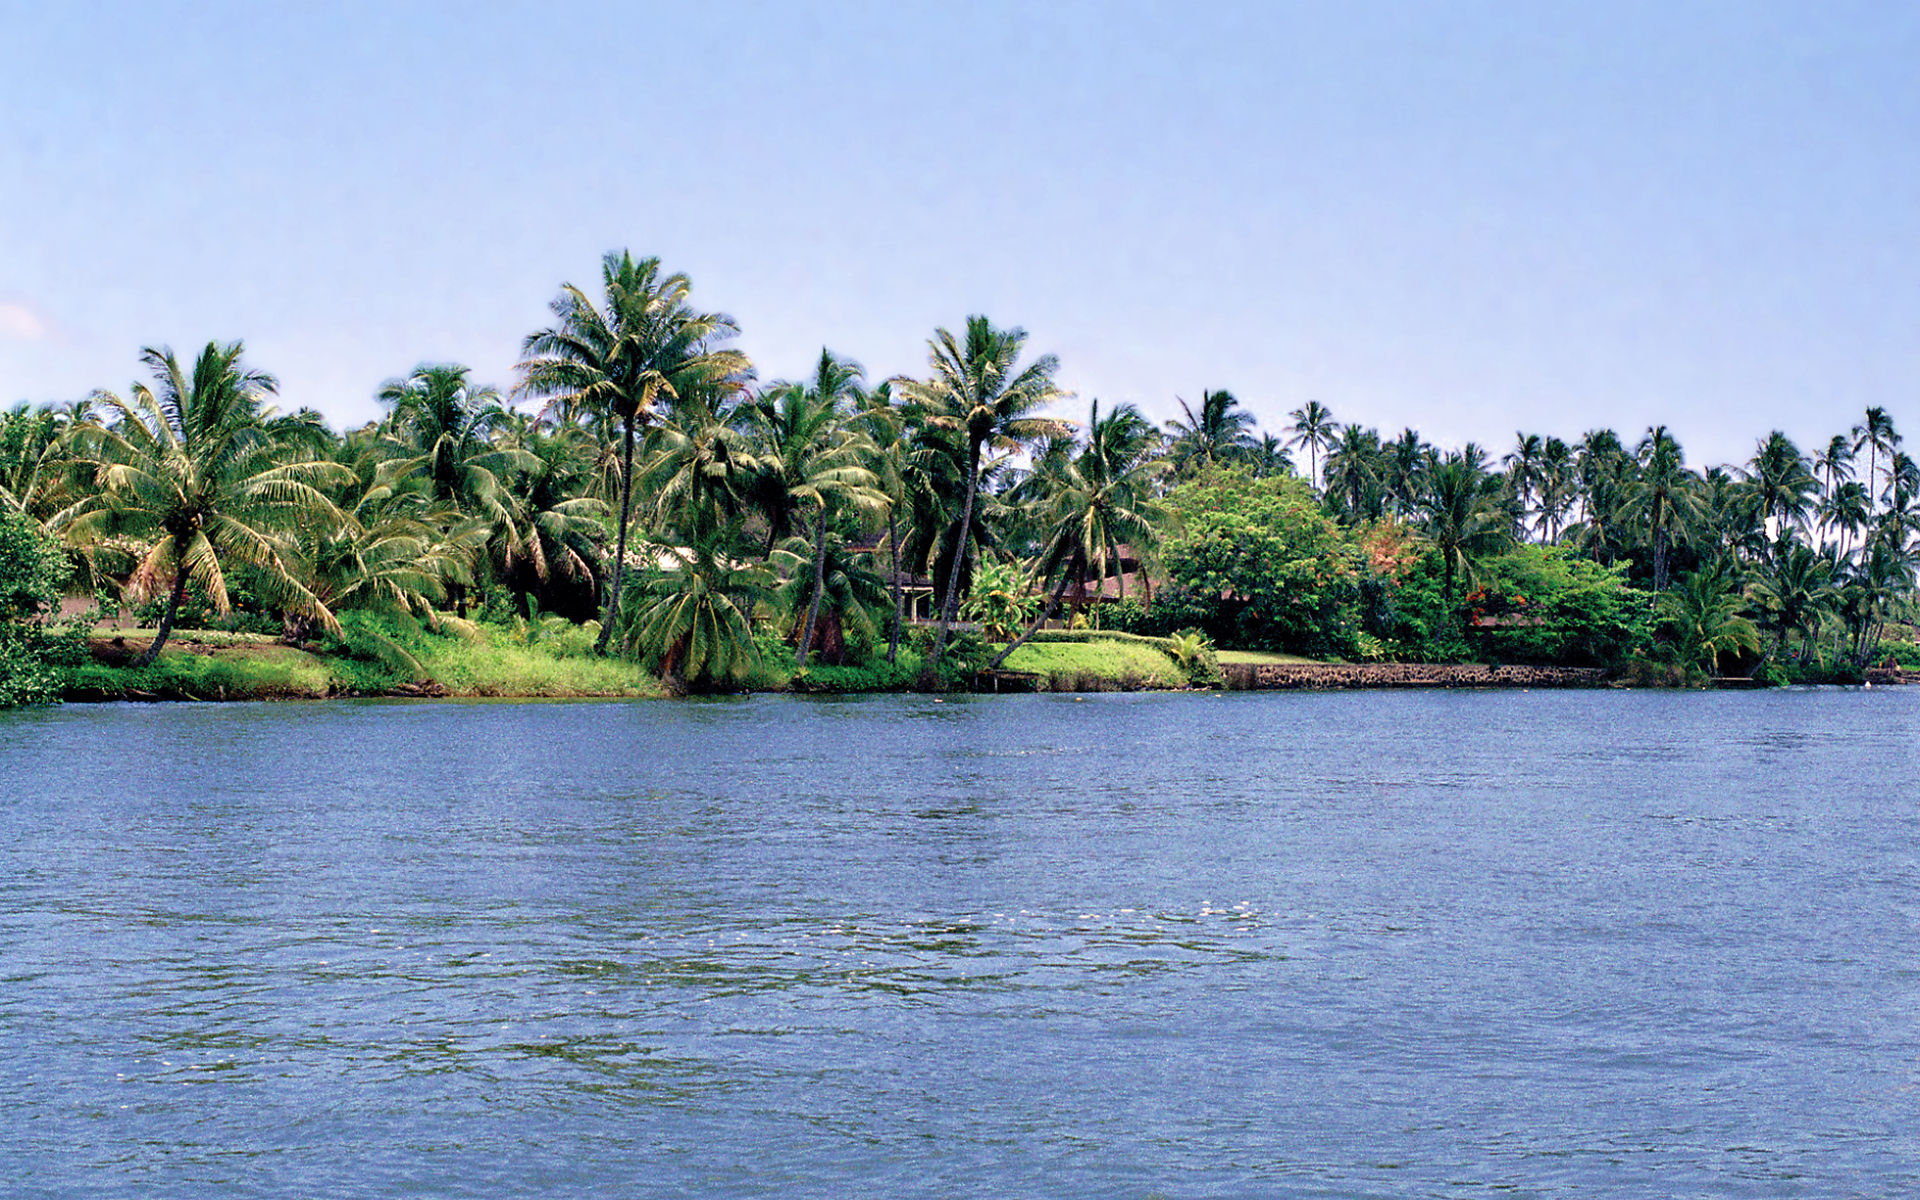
[1877,436]
[1846,511]
[978,389]
[191,464]
[1406,459]
[1664,500]
[1218,431]
[1464,516]
[643,345]
[887,427]
[1782,483]
[691,623]
[1092,503]
[1703,614]
[1526,464]
[1794,591]
[813,456]
[1314,429]
[1355,482]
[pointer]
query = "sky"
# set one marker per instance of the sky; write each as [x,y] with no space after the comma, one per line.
[1470,218]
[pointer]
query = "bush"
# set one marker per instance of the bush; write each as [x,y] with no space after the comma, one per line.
[32,571]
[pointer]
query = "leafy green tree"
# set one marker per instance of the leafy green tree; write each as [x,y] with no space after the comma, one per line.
[33,569]
[1258,563]
[978,389]
[192,465]
[620,359]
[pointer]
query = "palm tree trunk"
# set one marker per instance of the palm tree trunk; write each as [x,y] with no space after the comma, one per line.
[899,593]
[1119,572]
[951,605]
[620,538]
[819,587]
[1053,604]
[166,620]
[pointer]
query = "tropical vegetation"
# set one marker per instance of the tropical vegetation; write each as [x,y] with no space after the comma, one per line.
[638,498]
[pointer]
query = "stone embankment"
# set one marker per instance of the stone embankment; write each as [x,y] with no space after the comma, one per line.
[1329,676]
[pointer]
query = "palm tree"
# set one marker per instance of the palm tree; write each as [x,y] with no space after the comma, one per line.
[1794,590]
[1092,503]
[1219,431]
[620,360]
[1270,457]
[1464,516]
[1355,483]
[1525,465]
[1703,612]
[190,463]
[1314,428]
[1664,501]
[551,531]
[1846,511]
[691,623]
[814,458]
[840,595]
[1878,436]
[1835,462]
[1781,482]
[1406,467]
[976,390]
[887,428]
[1558,485]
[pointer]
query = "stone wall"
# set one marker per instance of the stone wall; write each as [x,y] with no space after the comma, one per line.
[1324,676]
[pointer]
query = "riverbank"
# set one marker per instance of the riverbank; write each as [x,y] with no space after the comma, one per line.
[213,665]
[207,665]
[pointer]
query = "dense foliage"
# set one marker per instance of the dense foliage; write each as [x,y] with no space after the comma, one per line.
[640,494]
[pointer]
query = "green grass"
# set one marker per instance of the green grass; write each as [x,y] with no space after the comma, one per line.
[1263,658]
[210,665]
[258,673]
[1103,666]
[491,665]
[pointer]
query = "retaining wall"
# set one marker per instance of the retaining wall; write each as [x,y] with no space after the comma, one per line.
[1325,676]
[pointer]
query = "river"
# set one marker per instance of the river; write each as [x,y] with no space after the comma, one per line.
[1390,944]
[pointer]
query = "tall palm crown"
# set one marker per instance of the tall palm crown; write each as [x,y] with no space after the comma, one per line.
[1218,431]
[1092,502]
[1315,429]
[1463,515]
[978,389]
[440,415]
[614,363]
[1781,482]
[814,455]
[192,464]
[1664,501]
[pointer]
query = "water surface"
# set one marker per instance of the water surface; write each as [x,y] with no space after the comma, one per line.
[1381,944]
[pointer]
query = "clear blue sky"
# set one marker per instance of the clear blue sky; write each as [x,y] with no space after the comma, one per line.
[1471,218]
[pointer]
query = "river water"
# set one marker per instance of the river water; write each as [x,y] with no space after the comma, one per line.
[1386,944]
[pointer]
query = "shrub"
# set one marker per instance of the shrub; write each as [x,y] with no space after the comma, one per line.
[32,572]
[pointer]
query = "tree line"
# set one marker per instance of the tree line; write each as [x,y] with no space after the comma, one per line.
[639,475]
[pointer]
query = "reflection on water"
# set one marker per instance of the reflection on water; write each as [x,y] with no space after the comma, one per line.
[1604,943]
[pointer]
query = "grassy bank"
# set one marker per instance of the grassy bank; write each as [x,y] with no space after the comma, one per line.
[212,665]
